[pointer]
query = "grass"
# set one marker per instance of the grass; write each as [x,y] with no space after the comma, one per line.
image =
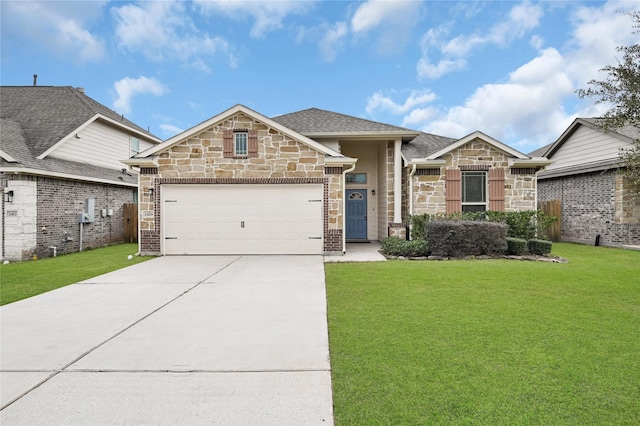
[25,279]
[487,342]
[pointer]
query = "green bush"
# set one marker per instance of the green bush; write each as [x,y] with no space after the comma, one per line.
[459,238]
[540,247]
[516,246]
[394,246]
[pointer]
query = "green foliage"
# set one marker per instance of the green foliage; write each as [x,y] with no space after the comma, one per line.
[516,246]
[622,90]
[540,247]
[525,224]
[394,246]
[25,279]
[460,238]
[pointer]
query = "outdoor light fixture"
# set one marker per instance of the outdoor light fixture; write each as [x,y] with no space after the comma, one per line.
[151,191]
[373,192]
[8,196]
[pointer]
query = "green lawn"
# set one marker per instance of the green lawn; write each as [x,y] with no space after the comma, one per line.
[492,342]
[25,279]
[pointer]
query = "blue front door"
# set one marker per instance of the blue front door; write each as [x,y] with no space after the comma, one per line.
[356,214]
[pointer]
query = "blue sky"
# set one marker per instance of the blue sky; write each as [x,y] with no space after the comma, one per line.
[508,69]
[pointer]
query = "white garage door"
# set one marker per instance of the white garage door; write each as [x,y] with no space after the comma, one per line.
[242,219]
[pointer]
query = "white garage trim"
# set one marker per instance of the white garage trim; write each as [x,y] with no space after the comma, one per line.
[242,218]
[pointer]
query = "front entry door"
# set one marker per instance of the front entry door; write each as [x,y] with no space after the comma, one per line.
[356,214]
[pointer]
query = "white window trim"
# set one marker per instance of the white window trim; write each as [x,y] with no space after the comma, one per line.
[133,152]
[486,190]
[236,153]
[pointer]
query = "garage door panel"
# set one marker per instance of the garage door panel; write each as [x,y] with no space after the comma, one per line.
[209,219]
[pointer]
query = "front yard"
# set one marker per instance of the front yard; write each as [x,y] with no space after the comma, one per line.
[487,342]
[25,279]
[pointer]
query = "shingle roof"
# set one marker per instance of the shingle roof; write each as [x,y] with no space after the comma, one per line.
[314,120]
[47,114]
[424,145]
[540,151]
[35,118]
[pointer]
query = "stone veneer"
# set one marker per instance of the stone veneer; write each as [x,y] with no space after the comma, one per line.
[429,189]
[280,159]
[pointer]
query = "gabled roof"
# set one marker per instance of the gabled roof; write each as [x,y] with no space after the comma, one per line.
[428,149]
[149,153]
[48,114]
[628,133]
[35,119]
[314,122]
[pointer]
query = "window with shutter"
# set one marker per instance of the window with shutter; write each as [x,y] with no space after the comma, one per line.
[474,191]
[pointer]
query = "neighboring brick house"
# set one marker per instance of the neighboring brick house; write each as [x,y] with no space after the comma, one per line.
[58,149]
[308,182]
[597,202]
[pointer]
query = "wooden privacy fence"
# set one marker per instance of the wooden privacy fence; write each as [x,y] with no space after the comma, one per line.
[552,208]
[130,214]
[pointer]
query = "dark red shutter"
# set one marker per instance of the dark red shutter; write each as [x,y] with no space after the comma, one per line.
[227,149]
[253,143]
[496,190]
[453,190]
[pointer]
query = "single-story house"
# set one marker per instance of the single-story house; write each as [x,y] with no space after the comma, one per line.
[309,181]
[598,203]
[60,154]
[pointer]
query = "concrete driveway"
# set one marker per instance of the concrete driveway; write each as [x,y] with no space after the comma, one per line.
[176,340]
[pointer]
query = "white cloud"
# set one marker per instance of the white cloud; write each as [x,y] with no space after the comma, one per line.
[392,21]
[445,66]
[128,87]
[380,102]
[522,18]
[60,27]
[164,31]
[331,41]
[170,130]
[267,15]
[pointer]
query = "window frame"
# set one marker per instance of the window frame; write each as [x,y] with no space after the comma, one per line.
[352,178]
[484,205]
[133,152]
[237,139]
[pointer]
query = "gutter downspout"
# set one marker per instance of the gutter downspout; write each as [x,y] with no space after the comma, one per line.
[344,207]
[397,181]
[411,173]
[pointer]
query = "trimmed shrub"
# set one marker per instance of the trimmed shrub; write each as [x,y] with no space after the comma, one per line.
[516,246]
[460,238]
[394,246]
[525,224]
[540,247]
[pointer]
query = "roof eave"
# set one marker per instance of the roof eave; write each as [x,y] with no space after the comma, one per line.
[141,162]
[425,163]
[37,172]
[531,162]
[361,135]
[339,161]
[478,135]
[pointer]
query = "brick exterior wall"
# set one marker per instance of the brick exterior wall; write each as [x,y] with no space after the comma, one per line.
[279,159]
[429,191]
[47,213]
[598,203]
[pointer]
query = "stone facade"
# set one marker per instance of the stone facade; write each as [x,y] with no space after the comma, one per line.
[44,214]
[429,191]
[280,159]
[595,204]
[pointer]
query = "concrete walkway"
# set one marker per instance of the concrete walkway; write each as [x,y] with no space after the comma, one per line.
[359,252]
[175,340]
